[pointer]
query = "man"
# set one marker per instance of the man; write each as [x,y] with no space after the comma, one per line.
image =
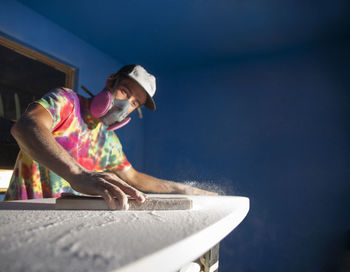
[68,144]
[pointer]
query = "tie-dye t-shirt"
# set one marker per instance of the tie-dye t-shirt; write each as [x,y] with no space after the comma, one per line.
[90,144]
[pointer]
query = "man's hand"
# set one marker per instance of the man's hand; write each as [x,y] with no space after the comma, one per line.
[107,185]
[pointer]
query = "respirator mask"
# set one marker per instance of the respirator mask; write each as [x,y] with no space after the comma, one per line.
[111,111]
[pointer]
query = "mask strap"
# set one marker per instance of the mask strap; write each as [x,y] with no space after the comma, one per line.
[86,90]
[140,112]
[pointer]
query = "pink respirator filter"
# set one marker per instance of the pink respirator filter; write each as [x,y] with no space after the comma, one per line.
[100,103]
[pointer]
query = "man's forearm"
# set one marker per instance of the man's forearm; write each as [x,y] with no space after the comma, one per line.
[151,184]
[38,142]
[148,183]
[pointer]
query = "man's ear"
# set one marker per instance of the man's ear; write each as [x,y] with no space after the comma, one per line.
[111,80]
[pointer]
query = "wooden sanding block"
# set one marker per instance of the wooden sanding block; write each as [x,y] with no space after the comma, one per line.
[74,202]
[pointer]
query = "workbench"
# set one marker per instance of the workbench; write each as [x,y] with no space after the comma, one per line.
[36,237]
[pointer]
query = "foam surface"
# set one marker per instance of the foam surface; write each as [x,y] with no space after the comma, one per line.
[35,237]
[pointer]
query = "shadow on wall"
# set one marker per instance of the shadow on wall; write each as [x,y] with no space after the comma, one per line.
[338,256]
[275,128]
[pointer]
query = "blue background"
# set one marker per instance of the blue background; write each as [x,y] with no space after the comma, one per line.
[253,100]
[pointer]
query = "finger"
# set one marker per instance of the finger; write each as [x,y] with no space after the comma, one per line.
[126,188]
[119,194]
[109,199]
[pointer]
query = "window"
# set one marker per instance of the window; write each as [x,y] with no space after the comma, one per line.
[25,75]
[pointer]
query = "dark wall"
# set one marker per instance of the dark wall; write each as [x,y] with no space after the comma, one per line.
[274,128]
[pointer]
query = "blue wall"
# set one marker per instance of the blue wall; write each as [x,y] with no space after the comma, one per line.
[23,25]
[274,128]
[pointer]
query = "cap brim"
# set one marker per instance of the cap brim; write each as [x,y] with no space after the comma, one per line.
[150,103]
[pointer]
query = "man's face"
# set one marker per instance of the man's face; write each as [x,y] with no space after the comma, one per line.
[130,90]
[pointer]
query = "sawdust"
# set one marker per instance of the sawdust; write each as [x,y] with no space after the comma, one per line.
[222,188]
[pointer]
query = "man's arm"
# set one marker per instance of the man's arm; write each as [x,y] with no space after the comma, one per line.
[151,184]
[33,135]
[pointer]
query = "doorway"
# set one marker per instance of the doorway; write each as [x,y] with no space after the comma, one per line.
[25,75]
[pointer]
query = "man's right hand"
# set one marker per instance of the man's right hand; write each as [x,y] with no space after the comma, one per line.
[107,185]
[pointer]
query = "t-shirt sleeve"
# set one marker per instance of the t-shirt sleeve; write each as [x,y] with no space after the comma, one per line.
[122,165]
[59,103]
[117,158]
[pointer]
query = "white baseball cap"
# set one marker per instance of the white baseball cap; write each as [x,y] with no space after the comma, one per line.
[146,80]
